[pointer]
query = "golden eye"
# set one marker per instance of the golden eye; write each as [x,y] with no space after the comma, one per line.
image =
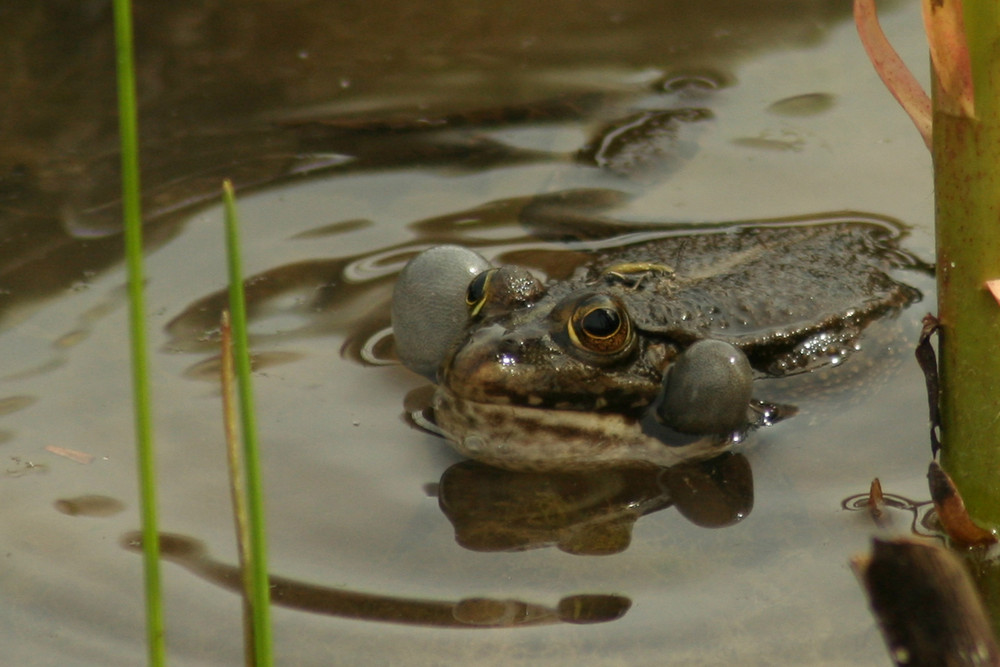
[475,295]
[600,324]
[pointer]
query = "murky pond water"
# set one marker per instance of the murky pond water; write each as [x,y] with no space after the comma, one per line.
[796,125]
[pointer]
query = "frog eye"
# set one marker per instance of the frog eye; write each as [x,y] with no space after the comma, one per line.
[428,312]
[600,324]
[475,295]
[502,290]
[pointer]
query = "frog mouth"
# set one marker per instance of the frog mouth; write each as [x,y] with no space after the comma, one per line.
[521,437]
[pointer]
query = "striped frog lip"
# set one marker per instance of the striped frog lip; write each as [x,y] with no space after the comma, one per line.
[520,437]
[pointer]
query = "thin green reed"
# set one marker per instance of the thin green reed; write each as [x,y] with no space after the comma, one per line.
[128,127]
[260,584]
[237,487]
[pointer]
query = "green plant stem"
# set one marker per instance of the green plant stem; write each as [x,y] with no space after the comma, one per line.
[237,489]
[967,186]
[261,598]
[131,204]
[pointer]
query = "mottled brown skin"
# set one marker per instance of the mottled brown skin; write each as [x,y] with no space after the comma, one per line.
[518,392]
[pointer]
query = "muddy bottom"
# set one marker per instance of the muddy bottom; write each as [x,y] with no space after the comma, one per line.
[388,548]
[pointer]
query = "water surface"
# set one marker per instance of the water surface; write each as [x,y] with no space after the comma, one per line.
[799,126]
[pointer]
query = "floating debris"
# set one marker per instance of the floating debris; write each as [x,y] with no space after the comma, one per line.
[71,454]
[876,501]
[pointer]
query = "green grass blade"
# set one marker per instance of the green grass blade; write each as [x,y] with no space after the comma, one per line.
[251,460]
[237,489]
[128,127]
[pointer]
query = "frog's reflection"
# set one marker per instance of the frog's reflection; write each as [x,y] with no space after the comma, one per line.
[191,554]
[587,512]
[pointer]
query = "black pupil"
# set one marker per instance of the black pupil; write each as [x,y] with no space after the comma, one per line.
[601,322]
[477,289]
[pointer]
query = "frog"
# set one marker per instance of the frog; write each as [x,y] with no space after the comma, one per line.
[649,352]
